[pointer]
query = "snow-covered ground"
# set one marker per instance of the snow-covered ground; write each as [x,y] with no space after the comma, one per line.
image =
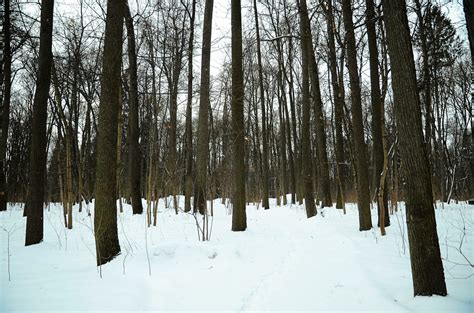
[282,262]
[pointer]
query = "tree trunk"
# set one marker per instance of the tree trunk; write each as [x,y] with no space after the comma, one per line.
[338,108]
[5,78]
[38,154]
[188,183]
[360,148]
[239,216]
[324,181]
[133,145]
[378,150]
[305,127]
[202,152]
[426,264]
[105,218]
[265,176]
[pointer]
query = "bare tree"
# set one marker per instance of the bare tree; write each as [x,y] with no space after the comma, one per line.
[202,153]
[306,172]
[188,184]
[377,112]
[426,264]
[5,89]
[105,217]
[239,216]
[36,182]
[134,131]
[360,148]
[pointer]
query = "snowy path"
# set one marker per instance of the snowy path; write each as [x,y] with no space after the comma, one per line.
[330,280]
[282,262]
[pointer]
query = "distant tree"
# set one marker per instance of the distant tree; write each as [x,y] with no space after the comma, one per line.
[440,47]
[239,216]
[321,145]
[265,175]
[426,264]
[38,153]
[105,217]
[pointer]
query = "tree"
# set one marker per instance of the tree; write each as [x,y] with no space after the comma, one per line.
[320,124]
[105,218]
[265,177]
[188,183]
[377,113]
[5,78]
[440,46]
[38,153]
[360,148]
[134,131]
[426,264]
[200,197]
[305,135]
[239,216]
[338,92]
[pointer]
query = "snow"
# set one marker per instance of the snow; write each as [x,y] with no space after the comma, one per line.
[283,261]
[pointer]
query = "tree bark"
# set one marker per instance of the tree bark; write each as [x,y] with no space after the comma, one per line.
[378,150]
[360,148]
[265,175]
[324,181]
[105,217]
[38,154]
[426,264]
[188,183]
[305,127]
[239,216]
[338,107]
[202,152]
[134,134]
[5,102]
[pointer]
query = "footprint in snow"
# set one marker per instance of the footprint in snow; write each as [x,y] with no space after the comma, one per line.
[213,255]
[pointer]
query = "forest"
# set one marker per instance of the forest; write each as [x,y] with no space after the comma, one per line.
[282,154]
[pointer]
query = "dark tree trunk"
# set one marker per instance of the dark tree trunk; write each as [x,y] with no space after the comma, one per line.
[306,172]
[188,183]
[5,77]
[377,111]
[105,217]
[133,145]
[239,216]
[200,196]
[426,264]
[338,108]
[360,148]
[265,176]
[38,153]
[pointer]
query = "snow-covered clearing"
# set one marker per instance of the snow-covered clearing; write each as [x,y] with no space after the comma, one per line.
[282,262]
